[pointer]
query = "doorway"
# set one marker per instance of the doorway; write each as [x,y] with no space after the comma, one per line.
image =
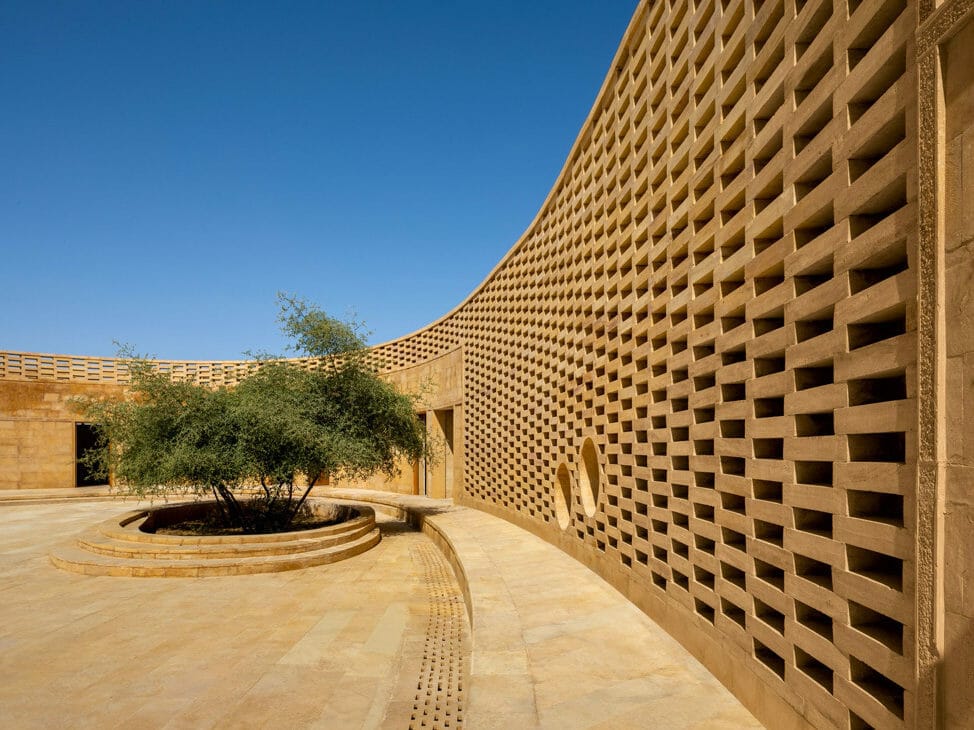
[444,476]
[419,466]
[85,440]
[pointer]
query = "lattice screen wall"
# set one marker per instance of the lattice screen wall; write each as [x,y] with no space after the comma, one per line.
[719,292]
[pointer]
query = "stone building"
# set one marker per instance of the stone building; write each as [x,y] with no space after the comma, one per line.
[730,364]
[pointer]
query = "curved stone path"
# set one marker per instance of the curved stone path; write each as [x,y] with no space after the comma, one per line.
[555,646]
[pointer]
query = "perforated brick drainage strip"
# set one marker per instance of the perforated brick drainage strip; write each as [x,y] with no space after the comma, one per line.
[127,546]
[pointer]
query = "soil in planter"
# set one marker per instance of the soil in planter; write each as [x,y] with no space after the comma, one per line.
[306,519]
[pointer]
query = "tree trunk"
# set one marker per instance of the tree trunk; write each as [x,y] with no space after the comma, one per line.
[233,507]
[223,512]
[304,496]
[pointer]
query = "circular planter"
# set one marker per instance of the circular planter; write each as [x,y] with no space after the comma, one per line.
[129,545]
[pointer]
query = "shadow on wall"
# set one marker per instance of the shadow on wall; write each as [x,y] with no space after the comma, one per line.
[956,675]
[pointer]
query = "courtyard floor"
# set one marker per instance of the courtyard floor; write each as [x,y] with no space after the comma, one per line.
[380,640]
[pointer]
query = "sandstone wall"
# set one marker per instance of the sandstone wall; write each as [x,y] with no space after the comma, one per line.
[37,431]
[958,58]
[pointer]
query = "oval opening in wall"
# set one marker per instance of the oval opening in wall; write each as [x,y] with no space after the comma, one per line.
[588,477]
[563,496]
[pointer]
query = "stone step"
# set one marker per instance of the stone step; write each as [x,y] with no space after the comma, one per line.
[76,559]
[128,526]
[96,541]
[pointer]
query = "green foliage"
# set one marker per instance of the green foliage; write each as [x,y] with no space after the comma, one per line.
[282,423]
[316,334]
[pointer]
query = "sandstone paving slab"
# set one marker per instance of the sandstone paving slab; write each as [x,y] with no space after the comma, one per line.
[337,646]
[592,655]
[553,644]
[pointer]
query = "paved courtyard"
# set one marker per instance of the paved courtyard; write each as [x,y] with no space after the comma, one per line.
[336,647]
[380,640]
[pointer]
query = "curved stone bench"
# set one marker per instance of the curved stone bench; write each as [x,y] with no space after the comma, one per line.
[126,546]
[552,644]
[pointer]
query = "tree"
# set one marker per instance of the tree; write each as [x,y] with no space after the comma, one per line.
[285,423]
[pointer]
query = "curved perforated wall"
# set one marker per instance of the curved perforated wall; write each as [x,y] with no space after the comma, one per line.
[720,292]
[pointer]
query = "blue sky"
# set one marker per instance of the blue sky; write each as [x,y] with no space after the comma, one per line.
[167,167]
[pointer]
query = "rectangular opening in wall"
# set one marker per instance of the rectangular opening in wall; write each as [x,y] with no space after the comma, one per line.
[809,329]
[703,576]
[704,609]
[770,574]
[768,448]
[419,466]
[811,281]
[883,629]
[768,366]
[769,407]
[703,511]
[733,465]
[444,472]
[733,539]
[806,378]
[769,532]
[732,429]
[768,490]
[703,415]
[876,506]
[85,441]
[770,615]
[733,502]
[731,357]
[883,689]
[812,618]
[731,392]
[814,668]
[814,521]
[864,278]
[817,473]
[815,424]
[681,580]
[885,447]
[704,544]
[861,335]
[733,574]
[703,479]
[877,390]
[881,568]
[769,659]
[732,611]
[767,324]
[814,571]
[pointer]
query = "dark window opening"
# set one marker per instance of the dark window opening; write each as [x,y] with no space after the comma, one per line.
[85,440]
